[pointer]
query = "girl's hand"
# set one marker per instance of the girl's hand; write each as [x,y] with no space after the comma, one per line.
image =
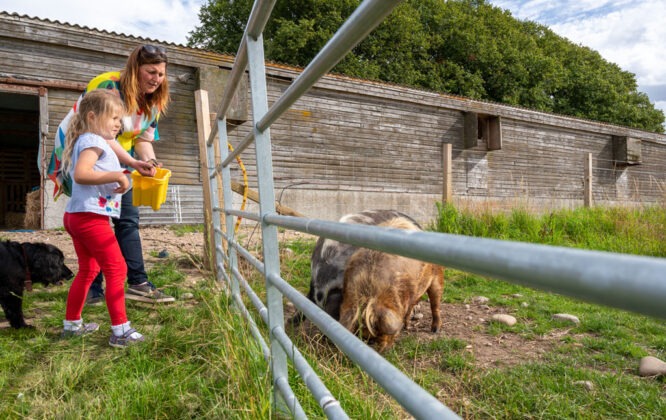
[123,184]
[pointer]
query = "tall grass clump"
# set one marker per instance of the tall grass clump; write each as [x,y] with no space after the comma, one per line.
[639,231]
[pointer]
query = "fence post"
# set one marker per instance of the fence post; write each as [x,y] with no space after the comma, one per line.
[203,130]
[447,185]
[587,199]
[256,65]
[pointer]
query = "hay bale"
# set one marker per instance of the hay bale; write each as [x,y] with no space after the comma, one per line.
[33,210]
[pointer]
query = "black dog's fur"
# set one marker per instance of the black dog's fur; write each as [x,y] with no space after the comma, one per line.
[44,262]
[329,260]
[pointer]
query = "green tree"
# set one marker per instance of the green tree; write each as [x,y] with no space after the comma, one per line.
[462,47]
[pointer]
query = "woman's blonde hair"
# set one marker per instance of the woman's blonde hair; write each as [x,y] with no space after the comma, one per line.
[129,81]
[100,102]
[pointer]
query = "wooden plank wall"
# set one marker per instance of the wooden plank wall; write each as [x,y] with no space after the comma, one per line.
[354,141]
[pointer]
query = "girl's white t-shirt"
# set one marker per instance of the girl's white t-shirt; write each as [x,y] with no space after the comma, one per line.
[98,199]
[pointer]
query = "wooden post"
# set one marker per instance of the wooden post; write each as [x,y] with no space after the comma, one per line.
[447,184]
[587,199]
[44,132]
[253,195]
[203,131]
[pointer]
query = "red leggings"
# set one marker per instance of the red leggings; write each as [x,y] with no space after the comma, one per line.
[96,247]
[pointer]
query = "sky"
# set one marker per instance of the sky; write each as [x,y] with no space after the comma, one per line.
[628,33]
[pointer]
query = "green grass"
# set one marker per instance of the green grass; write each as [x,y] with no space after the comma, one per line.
[196,362]
[200,361]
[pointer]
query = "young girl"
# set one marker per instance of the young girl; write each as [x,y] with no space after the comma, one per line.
[97,188]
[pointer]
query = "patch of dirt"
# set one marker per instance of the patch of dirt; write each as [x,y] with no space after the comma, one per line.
[467,323]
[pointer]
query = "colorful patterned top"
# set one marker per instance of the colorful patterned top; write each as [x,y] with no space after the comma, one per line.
[135,126]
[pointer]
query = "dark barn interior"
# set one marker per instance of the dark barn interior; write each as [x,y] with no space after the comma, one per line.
[19,146]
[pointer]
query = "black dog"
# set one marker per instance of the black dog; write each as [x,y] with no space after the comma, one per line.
[21,265]
[329,260]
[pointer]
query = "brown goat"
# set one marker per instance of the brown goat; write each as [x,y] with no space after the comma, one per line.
[380,291]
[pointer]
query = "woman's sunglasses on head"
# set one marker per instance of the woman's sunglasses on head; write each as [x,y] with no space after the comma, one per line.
[154,50]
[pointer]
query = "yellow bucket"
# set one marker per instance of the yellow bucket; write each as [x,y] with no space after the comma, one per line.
[150,190]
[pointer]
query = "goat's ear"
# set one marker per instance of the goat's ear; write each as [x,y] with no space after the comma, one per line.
[388,321]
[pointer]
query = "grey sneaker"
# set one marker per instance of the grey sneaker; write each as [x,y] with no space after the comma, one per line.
[82,330]
[147,292]
[125,339]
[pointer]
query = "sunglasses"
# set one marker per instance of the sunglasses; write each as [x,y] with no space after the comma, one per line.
[154,50]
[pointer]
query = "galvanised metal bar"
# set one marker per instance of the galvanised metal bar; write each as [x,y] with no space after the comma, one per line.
[365,18]
[249,257]
[322,395]
[245,215]
[261,11]
[227,199]
[256,301]
[269,237]
[226,277]
[282,384]
[412,397]
[247,140]
[622,281]
[219,266]
[254,330]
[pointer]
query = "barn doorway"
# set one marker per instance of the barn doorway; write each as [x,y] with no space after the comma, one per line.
[19,153]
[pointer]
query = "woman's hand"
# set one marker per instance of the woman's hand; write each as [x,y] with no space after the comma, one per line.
[144,168]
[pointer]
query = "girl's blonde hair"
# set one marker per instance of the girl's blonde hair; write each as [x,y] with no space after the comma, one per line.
[129,81]
[102,103]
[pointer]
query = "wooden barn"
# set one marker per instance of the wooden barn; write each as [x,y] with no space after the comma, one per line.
[347,145]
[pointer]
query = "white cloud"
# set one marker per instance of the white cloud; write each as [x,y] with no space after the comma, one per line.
[164,20]
[628,33]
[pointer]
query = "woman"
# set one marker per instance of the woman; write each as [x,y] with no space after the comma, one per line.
[143,87]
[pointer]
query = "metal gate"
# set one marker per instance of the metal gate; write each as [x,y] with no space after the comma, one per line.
[628,282]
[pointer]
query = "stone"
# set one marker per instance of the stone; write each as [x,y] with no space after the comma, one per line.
[651,366]
[586,384]
[504,319]
[480,299]
[566,317]
[288,252]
